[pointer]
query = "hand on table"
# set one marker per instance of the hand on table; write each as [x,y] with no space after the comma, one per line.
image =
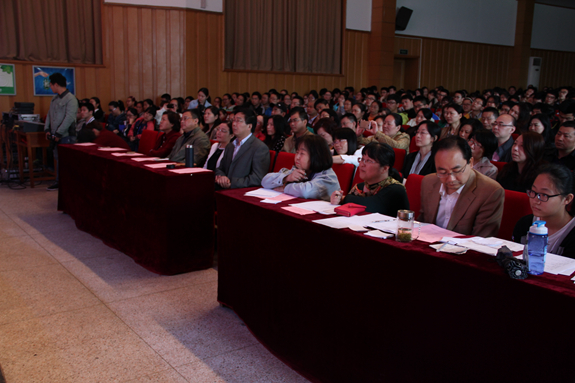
[336,197]
[223,181]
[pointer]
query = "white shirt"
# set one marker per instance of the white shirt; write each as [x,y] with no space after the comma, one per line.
[238,145]
[353,158]
[446,205]
[554,241]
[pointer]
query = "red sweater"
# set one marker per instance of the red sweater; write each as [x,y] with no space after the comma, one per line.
[164,144]
[107,138]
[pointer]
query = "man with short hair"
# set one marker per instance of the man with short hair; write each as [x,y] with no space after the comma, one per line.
[457,197]
[476,108]
[256,101]
[279,109]
[407,105]
[562,94]
[193,135]
[566,111]
[320,105]
[87,114]
[298,126]
[349,121]
[564,152]
[393,105]
[297,101]
[246,159]
[466,106]
[165,98]
[503,128]
[312,114]
[551,97]
[60,126]
[458,97]
[488,117]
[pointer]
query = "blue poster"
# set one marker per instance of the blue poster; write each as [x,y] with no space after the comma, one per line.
[42,79]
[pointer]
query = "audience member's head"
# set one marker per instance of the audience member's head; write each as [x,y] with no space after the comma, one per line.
[453,162]
[312,155]
[344,141]
[170,121]
[483,144]
[469,127]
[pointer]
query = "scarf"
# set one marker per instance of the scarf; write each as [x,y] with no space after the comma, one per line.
[374,188]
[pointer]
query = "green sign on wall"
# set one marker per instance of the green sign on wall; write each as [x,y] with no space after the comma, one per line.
[7,80]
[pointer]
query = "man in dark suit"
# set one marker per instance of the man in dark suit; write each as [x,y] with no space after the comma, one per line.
[457,197]
[246,159]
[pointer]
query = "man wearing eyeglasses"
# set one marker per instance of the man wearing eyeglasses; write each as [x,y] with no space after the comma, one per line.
[457,197]
[503,128]
[298,125]
[192,135]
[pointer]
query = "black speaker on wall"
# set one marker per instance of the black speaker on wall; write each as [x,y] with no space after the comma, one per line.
[402,18]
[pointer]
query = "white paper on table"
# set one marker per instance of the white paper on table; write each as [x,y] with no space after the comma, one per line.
[357,228]
[85,144]
[277,199]
[555,264]
[488,245]
[335,222]
[323,207]
[263,193]
[111,149]
[568,271]
[447,248]
[144,159]
[498,243]
[159,166]
[431,233]
[388,226]
[127,154]
[297,210]
[342,222]
[378,234]
[188,170]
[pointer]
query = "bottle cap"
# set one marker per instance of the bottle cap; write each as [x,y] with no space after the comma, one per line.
[538,228]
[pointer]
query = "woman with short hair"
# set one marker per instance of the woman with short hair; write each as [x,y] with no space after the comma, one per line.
[483,144]
[224,136]
[170,127]
[311,176]
[421,162]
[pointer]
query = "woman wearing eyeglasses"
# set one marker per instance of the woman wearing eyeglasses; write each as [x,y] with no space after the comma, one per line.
[224,136]
[380,191]
[526,154]
[551,193]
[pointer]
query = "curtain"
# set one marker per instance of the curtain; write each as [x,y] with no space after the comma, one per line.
[283,35]
[60,31]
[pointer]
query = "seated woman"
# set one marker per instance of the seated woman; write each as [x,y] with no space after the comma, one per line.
[311,176]
[380,192]
[452,113]
[549,196]
[324,128]
[421,162]
[224,136]
[211,120]
[483,145]
[541,124]
[469,128]
[276,132]
[345,147]
[526,153]
[330,114]
[146,122]
[391,133]
[170,126]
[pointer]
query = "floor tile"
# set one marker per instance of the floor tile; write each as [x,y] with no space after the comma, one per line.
[252,364]
[41,222]
[87,345]
[171,376]
[185,324]
[9,228]
[40,291]
[116,277]
[22,252]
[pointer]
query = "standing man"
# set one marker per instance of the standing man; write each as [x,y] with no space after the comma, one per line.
[60,125]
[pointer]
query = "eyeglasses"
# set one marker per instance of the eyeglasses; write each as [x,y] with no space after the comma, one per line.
[238,120]
[454,173]
[422,133]
[540,196]
[185,118]
[500,124]
[338,141]
[472,142]
[367,162]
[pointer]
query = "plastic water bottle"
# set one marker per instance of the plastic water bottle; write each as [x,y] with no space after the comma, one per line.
[536,247]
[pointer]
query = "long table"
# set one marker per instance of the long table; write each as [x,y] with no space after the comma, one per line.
[338,306]
[163,220]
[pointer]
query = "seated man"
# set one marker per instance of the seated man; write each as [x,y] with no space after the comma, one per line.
[458,197]
[246,159]
[298,125]
[103,137]
[87,114]
[564,151]
[488,117]
[193,135]
[503,128]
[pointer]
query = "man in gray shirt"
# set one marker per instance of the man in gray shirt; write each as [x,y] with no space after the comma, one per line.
[60,125]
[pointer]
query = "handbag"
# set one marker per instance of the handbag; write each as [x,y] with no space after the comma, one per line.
[349,209]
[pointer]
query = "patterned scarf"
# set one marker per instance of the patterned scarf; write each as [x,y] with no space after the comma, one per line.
[375,188]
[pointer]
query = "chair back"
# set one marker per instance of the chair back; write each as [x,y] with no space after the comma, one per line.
[516,205]
[399,158]
[413,146]
[413,189]
[148,140]
[284,160]
[272,160]
[344,173]
[499,165]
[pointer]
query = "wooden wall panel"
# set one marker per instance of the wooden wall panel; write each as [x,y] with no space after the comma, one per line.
[557,68]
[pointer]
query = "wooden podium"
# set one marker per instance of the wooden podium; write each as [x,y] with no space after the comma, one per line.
[27,143]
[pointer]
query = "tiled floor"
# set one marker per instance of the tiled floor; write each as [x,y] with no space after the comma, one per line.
[74,310]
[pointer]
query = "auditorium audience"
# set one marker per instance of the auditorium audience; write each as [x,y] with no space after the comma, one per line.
[224,136]
[380,191]
[391,134]
[564,152]
[521,112]
[311,176]
[421,162]
[324,128]
[503,128]
[452,113]
[540,123]
[210,121]
[458,197]
[488,117]
[98,112]
[192,135]
[345,147]
[483,144]
[143,123]
[526,154]
[469,127]
[246,159]
[549,197]
[276,132]
[170,128]
[116,116]
[298,126]
[202,101]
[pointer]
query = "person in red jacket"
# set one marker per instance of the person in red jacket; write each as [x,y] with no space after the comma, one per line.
[170,126]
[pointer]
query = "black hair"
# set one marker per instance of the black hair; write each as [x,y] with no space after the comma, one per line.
[149,101]
[524,114]
[422,99]
[486,138]
[561,177]
[455,107]
[151,110]
[281,129]
[88,106]
[300,113]
[249,117]
[384,155]
[482,100]
[257,94]
[174,119]
[406,96]
[134,111]
[96,99]
[216,112]
[491,109]
[475,126]
[427,113]
[59,79]
[320,101]
[166,96]
[350,136]
[314,94]
[117,104]
[332,115]
[397,119]
[320,157]
[393,97]
[533,146]
[433,129]
[349,116]
[544,119]
[195,114]
[454,142]
[327,124]
[297,98]
[361,107]
[207,93]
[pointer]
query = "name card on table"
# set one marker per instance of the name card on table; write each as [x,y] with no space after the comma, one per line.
[112,149]
[145,159]
[127,154]
[159,166]
[189,170]
[85,144]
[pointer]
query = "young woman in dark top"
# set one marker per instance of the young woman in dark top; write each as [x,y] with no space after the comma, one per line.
[527,153]
[98,112]
[276,129]
[421,162]
[170,126]
[381,192]
[211,120]
[549,196]
[541,124]
[224,136]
